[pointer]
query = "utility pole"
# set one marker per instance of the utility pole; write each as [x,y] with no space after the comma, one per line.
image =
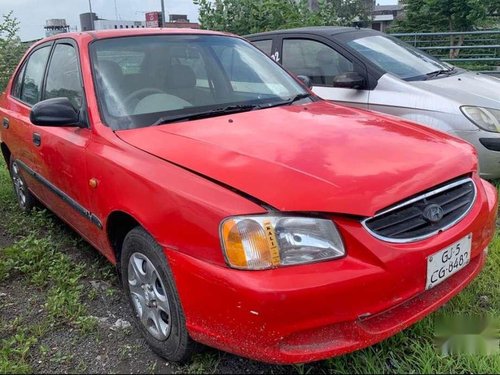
[91,15]
[163,20]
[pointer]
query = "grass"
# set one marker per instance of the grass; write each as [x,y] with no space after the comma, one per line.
[38,260]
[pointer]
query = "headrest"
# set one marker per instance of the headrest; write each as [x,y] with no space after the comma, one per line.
[180,77]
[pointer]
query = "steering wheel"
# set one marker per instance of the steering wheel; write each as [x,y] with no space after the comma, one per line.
[137,95]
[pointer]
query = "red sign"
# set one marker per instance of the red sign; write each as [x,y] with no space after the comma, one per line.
[153,19]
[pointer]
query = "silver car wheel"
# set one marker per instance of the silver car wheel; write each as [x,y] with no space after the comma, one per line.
[19,185]
[149,297]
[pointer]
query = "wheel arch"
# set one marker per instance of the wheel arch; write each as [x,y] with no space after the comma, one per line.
[6,153]
[118,224]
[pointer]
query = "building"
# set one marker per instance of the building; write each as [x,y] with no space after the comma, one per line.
[181,21]
[55,26]
[87,21]
[154,19]
[384,15]
[90,21]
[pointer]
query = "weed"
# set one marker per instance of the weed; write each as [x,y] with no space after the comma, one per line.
[92,294]
[205,363]
[87,324]
[14,353]
[44,350]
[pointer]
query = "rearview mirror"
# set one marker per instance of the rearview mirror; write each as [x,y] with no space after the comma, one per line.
[55,112]
[349,80]
[305,80]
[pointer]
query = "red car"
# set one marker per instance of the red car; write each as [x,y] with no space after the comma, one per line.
[241,211]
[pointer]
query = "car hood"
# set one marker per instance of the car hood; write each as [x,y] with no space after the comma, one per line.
[465,88]
[318,157]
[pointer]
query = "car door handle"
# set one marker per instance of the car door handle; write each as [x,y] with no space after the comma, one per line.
[37,139]
[5,123]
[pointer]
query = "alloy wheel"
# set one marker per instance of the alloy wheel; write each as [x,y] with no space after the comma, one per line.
[149,297]
[19,185]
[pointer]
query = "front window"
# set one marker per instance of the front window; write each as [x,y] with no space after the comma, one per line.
[265,46]
[397,57]
[144,79]
[63,75]
[315,60]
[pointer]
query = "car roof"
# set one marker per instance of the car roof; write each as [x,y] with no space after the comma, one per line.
[116,33]
[321,30]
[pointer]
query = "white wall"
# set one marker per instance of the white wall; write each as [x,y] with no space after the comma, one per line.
[118,24]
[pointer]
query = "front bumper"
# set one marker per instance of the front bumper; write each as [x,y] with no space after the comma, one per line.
[312,312]
[487,145]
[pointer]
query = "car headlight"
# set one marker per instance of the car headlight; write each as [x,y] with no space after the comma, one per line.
[262,242]
[486,118]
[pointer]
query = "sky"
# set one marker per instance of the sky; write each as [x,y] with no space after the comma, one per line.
[33,13]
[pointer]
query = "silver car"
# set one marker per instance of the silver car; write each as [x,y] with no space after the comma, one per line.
[369,69]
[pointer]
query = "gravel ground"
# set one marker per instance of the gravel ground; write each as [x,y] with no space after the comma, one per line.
[115,346]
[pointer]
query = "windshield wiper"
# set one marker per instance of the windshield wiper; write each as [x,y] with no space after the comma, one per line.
[235,108]
[213,112]
[289,101]
[440,72]
[298,97]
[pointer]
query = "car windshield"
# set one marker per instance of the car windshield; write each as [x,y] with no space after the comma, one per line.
[397,57]
[150,80]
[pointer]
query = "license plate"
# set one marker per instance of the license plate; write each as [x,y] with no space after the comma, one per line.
[446,262]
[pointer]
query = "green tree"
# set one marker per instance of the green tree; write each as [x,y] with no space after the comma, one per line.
[352,10]
[251,16]
[446,15]
[11,49]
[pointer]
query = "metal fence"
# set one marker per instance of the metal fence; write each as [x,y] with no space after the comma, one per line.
[474,50]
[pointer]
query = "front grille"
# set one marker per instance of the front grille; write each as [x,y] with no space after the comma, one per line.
[424,215]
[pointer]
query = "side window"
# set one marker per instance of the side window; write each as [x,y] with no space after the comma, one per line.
[245,80]
[18,83]
[63,77]
[234,66]
[315,60]
[33,77]
[264,45]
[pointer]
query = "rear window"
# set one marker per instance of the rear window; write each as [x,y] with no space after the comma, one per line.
[31,90]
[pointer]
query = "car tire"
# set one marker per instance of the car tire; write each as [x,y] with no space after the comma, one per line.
[25,198]
[149,286]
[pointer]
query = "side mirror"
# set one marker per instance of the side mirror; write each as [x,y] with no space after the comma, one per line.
[55,112]
[349,80]
[305,80]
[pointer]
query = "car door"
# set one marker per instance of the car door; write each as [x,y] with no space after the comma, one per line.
[18,130]
[318,59]
[63,149]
